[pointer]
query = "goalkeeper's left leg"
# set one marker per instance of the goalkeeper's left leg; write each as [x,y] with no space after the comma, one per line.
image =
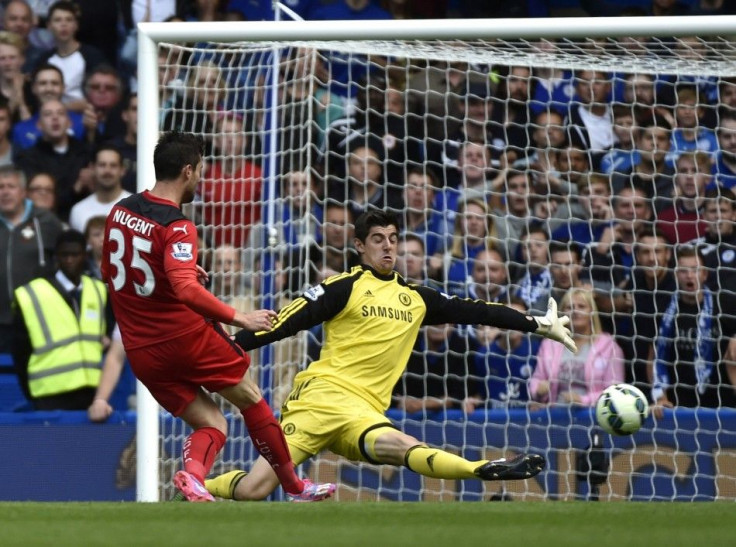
[394,447]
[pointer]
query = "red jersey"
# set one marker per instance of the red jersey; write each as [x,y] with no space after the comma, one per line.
[230,203]
[148,243]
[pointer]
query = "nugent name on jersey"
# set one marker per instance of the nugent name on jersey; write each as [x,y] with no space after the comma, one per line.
[133,222]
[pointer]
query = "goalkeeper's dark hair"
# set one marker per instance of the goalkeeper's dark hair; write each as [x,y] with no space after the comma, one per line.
[174,151]
[371,218]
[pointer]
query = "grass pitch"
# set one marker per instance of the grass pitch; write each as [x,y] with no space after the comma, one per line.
[384,524]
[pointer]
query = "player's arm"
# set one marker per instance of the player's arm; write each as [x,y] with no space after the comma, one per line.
[180,264]
[318,304]
[442,308]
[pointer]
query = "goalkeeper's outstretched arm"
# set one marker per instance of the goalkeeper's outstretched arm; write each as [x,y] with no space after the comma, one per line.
[442,308]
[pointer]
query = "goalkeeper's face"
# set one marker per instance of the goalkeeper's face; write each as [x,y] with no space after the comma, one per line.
[379,248]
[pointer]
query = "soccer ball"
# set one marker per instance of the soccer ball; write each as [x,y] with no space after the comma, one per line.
[621,409]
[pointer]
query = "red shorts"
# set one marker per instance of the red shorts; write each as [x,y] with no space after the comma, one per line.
[174,370]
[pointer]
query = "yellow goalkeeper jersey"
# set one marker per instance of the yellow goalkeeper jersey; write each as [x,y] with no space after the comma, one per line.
[371,322]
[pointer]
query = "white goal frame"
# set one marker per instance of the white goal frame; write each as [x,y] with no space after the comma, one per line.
[150,34]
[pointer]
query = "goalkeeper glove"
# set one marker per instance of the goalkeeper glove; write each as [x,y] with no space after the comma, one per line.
[555,328]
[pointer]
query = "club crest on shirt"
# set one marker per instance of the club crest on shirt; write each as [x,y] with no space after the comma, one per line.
[182,251]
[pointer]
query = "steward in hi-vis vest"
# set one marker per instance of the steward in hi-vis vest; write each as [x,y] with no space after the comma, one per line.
[61,323]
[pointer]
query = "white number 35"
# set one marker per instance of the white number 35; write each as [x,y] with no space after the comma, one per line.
[140,245]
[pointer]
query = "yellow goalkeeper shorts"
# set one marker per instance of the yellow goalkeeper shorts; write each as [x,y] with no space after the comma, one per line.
[318,415]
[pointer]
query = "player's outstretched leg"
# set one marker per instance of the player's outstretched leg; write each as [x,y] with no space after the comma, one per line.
[523,466]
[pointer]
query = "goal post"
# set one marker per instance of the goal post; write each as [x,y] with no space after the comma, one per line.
[492,43]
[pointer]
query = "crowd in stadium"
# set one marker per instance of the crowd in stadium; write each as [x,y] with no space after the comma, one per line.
[610,192]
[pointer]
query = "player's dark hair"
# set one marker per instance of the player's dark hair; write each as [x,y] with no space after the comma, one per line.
[371,218]
[174,151]
[71,236]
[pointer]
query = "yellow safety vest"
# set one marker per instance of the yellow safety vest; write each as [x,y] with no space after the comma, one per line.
[67,350]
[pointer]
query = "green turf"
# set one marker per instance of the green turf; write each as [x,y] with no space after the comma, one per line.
[526,524]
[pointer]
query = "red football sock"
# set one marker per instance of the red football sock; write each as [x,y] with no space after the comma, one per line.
[200,450]
[268,438]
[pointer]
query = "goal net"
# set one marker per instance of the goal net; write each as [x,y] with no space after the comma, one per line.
[580,167]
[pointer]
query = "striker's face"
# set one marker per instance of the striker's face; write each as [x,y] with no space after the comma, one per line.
[379,248]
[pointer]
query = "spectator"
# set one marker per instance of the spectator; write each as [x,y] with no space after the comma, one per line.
[422,219]
[489,279]
[542,157]
[27,238]
[411,259]
[474,232]
[535,286]
[726,95]
[436,375]
[68,307]
[473,166]
[503,361]
[18,18]
[103,90]
[60,155]
[108,172]
[12,79]
[197,107]
[334,255]
[42,191]
[566,269]
[511,211]
[554,87]
[94,234]
[434,91]
[47,83]
[228,280]
[682,222]
[230,190]
[689,135]
[127,144]
[578,378]
[724,169]
[379,122]
[513,113]
[623,156]
[652,171]
[594,216]
[640,94]
[641,303]
[365,188]
[476,108]
[610,258]
[718,244]
[73,58]
[295,224]
[690,367]
[590,123]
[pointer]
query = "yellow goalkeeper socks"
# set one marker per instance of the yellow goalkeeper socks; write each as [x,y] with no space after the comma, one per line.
[433,462]
[223,486]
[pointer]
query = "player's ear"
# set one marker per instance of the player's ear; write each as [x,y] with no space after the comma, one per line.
[358,244]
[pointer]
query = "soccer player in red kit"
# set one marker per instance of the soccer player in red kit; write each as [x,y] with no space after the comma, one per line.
[170,324]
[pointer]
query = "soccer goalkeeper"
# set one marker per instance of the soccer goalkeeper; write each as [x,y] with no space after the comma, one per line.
[371,319]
